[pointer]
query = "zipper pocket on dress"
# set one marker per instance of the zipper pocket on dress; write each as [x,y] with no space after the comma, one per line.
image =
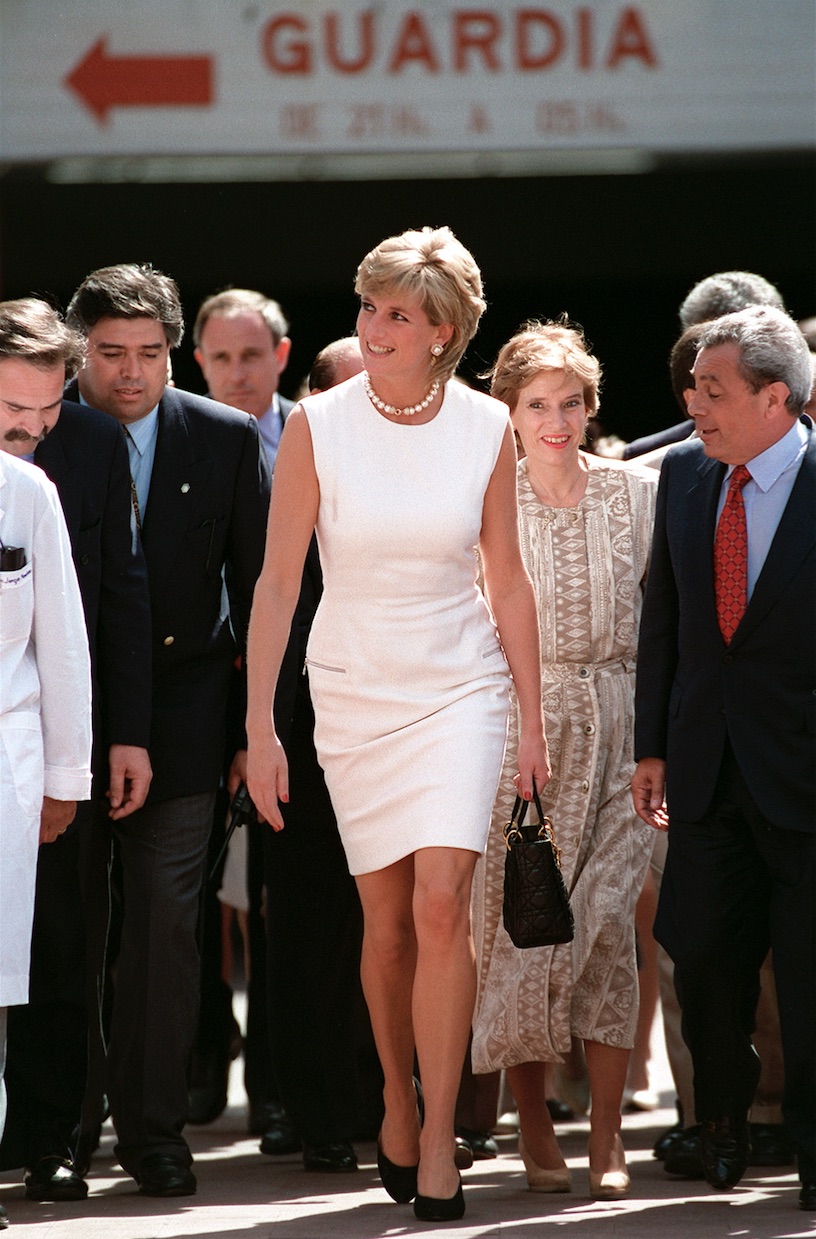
[310,662]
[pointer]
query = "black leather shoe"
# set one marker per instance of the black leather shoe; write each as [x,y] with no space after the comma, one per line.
[207,1102]
[337,1157]
[462,1154]
[770,1145]
[685,1158]
[54,1178]
[559,1111]
[807,1196]
[666,1141]
[434,1209]
[725,1145]
[399,1181]
[162,1175]
[482,1144]
[280,1136]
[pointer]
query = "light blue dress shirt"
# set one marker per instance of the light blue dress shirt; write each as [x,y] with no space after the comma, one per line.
[773,474]
[270,428]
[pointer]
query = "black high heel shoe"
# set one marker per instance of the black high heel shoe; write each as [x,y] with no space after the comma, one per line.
[444,1209]
[399,1181]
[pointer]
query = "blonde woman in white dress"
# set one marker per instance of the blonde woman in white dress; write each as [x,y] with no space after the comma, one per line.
[586,526]
[403,474]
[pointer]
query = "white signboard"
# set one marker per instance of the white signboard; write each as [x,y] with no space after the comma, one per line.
[222,77]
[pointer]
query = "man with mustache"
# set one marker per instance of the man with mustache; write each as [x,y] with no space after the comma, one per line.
[85,456]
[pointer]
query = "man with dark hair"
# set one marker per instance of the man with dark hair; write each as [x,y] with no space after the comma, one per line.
[84,454]
[723,293]
[200,497]
[724,725]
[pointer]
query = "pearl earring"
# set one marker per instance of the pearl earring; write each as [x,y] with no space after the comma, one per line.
[437,350]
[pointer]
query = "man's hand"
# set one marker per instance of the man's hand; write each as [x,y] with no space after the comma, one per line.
[649,790]
[130,775]
[55,818]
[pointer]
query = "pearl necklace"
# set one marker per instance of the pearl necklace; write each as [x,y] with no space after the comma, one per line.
[391,409]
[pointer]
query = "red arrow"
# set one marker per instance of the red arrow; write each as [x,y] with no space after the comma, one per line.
[103,82]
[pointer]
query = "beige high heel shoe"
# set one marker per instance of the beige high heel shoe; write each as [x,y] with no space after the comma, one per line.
[611,1184]
[541,1180]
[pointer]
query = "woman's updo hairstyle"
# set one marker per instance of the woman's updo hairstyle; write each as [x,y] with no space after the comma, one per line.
[431,265]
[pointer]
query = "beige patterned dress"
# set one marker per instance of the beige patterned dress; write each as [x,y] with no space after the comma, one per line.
[588,566]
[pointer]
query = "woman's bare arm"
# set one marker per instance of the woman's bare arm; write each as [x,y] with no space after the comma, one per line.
[292,517]
[510,594]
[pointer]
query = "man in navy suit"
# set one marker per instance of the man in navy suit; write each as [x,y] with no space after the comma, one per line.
[242,346]
[200,497]
[84,454]
[725,726]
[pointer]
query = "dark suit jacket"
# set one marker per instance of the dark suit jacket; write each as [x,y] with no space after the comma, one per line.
[650,443]
[693,692]
[86,457]
[205,520]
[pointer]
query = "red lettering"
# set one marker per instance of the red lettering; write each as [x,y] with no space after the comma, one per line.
[475,30]
[407,123]
[413,43]
[479,121]
[528,39]
[559,118]
[584,32]
[367,120]
[286,55]
[630,39]
[365,43]
[526,19]
[300,121]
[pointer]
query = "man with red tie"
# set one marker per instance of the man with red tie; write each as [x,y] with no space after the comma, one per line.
[725,725]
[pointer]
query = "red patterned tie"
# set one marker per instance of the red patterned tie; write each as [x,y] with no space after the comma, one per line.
[731,557]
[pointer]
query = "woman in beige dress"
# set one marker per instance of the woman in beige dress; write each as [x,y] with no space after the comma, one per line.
[586,526]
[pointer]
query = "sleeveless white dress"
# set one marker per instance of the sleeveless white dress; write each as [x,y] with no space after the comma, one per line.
[409,682]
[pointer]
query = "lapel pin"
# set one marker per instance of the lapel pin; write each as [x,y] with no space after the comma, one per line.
[185,486]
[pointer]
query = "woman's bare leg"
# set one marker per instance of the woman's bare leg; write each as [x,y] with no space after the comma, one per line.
[387,970]
[529,1084]
[607,1066]
[443,1000]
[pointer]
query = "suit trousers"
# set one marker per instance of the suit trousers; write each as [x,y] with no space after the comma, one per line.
[47,1052]
[163,849]
[314,926]
[735,885]
[767,1104]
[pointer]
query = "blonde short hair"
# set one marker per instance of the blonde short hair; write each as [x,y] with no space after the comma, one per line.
[431,265]
[538,346]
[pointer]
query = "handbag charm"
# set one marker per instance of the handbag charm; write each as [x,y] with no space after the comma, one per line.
[536,909]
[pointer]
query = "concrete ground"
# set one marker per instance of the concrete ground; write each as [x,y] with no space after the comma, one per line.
[244,1195]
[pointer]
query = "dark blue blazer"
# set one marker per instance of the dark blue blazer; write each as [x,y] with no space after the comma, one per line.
[693,691]
[204,524]
[649,443]
[86,458]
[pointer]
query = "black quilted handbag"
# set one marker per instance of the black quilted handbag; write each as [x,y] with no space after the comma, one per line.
[536,904]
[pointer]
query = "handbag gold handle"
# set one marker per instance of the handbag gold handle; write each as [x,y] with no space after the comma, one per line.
[512,831]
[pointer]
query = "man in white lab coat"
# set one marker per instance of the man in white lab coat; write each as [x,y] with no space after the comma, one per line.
[45,708]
